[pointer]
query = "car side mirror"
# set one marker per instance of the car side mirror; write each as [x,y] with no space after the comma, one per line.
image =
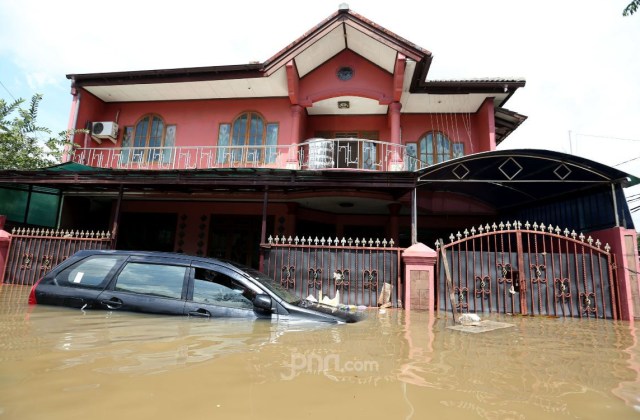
[262,301]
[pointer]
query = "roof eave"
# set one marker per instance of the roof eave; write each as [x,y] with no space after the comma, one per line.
[236,71]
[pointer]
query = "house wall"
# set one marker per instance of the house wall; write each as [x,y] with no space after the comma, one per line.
[89,108]
[316,123]
[197,121]
[485,127]
[457,127]
[368,81]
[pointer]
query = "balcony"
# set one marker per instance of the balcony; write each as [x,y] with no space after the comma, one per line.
[313,154]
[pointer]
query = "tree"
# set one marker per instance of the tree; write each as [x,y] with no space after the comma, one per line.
[20,144]
[631,8]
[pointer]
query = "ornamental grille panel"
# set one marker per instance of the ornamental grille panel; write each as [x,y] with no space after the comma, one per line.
[357,268]
[529,270]
[33,252]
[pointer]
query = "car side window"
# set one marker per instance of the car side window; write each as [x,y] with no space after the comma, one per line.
[216,288]
[91,272]
[152,279]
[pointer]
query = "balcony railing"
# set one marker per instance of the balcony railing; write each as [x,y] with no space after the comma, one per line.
[314,154]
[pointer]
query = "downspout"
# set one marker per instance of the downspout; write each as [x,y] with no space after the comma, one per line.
[73,122]
[414,217]
[116,221]
[615,204]
[263,233]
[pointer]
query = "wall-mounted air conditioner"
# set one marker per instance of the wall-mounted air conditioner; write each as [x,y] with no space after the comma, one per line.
[104,130]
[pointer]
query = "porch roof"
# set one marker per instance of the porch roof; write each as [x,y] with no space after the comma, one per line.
[508,178]
[502,179]
[72,177]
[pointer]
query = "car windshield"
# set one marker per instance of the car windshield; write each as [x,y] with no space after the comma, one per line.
[269,283]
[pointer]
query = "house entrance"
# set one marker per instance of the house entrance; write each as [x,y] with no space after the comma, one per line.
[237,238]
[147,231]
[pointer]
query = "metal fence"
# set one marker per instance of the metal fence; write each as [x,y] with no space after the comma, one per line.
[33,252]
[528,269]
[313,154]
[359,270]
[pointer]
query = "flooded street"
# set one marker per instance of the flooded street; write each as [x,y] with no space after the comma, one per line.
[58,363]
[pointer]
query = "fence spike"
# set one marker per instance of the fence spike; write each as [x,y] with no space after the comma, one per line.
[558,230]
[349,241]
[270,240]
[598,243]
[343,241]
[473,231]
[452,238]
[303,240]
[527,225]
[573,234]
[590,240]
[13,231]
[458,235]
[607,248]
[542,227]
[384,242]
[108,234]
[315,241]
[377,242]
[480,229]
[566,232]
[277,239]
[581,237]
[357,242]
[494,226]
[290,239]
[466,233]
[391,243]
[508,225]
[519,224]
[501,226]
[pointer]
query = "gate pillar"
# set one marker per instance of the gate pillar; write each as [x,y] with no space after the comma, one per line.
[419,277]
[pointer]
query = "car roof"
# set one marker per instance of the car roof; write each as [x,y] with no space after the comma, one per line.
[172,255]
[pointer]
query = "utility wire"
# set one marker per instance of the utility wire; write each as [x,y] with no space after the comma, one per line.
[606,137]
[5,88]
[627,161]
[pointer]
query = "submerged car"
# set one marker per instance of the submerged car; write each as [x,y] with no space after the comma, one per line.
[174,284]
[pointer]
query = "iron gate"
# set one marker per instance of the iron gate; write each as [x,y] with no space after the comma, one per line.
[530,270]
[359,269]
[33,252]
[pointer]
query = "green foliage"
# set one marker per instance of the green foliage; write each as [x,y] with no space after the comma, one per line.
[24,144]
[631,8]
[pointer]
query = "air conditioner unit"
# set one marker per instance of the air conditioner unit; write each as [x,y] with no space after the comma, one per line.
[104,130]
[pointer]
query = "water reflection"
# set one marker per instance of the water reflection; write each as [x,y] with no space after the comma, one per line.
[393,364]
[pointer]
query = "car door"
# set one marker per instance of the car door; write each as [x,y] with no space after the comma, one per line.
[78,282]
[216,291]
[154,285]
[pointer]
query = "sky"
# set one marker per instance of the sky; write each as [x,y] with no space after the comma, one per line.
[580,58]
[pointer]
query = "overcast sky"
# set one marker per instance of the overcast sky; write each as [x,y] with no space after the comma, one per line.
[580,57]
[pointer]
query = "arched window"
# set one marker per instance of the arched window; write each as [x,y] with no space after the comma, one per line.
[435,147]
[252,140]
[150,134]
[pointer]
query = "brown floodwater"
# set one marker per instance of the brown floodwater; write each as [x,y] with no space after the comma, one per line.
[58,363]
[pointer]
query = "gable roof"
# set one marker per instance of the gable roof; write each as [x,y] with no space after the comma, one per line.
[343,30]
